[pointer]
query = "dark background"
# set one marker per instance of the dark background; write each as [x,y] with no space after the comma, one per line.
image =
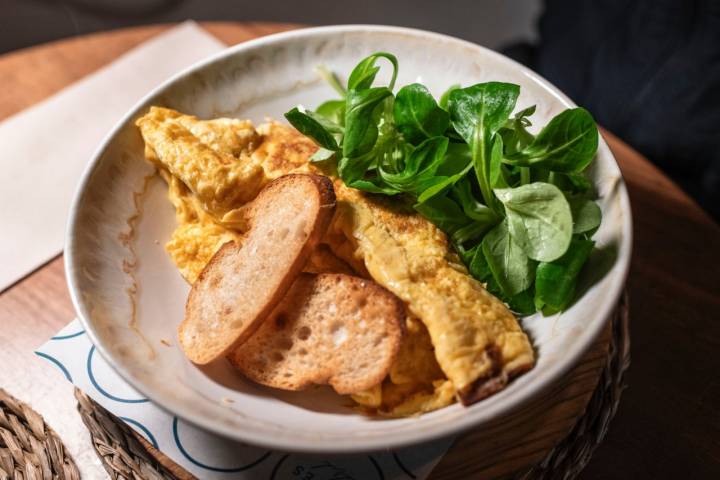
[488,22]
[649,71]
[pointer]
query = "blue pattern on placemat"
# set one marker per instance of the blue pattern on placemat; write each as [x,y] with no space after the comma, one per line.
[102,390]
[57,363]
[209,467]
[73,353]
[149,436]
[66,337]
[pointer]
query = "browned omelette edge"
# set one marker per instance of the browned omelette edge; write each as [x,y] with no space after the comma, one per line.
[492,383]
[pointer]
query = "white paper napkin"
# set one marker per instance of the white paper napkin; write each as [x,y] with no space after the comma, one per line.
[44,149]
[208,456]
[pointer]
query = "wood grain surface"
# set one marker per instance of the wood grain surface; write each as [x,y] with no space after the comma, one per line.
[671,403]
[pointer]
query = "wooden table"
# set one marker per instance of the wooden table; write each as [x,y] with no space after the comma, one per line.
[668,425]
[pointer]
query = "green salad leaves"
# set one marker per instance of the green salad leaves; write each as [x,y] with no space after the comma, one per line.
[515,205]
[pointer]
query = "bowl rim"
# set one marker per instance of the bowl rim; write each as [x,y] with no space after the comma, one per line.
[271,440]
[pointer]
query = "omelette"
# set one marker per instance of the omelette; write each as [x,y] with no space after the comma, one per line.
[462,343]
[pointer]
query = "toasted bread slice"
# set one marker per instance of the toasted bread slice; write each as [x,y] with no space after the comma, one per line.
[241,285]
[333,329]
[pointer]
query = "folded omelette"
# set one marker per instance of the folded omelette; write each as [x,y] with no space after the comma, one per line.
[462,342]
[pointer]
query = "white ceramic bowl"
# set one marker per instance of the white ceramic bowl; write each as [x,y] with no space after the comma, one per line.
[112,273]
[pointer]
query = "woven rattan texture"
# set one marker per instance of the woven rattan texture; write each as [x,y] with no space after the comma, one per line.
[29,449]
[121,453]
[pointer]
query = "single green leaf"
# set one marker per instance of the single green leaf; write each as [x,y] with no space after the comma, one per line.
[322,154]
[327,123]
[363,75]
[555,281]
[311,127]
[361,130]
[586,214]
[567,144]
[477,113]
[495,167]
[539,218]
[480,148]
[417,115]
[445,98]
[487,105]
[373,186]
[510,266]
[333,110]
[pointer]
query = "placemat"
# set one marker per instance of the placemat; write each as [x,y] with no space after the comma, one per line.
[201,453]
[125,457]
